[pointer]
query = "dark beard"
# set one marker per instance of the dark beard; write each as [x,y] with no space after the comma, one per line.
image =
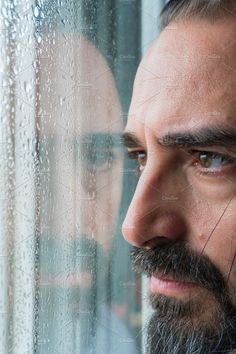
[168,336]
[171,329]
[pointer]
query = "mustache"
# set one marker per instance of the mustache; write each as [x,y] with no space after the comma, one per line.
[180,263]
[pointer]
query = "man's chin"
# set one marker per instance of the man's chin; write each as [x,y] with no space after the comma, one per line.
[199,309]
[168,335]
[188,325]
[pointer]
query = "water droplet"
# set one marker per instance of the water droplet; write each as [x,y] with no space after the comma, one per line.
[36,11]
[60,100]
[27,87]
[5,12]
[38,37]
[6,22]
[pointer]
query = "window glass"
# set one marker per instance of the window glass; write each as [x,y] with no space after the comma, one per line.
[83,265]
[67,71]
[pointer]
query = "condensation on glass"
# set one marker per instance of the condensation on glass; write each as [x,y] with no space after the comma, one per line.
[66,72]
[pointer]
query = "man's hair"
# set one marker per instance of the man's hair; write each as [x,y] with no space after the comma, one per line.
[210,10]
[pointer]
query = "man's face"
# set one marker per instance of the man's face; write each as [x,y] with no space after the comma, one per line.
[182,131]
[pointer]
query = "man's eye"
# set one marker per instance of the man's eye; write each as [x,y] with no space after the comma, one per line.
[211,160]
[140,157]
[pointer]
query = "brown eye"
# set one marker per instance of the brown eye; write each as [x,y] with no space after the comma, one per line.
[142,158]
[205,159]
[212,160]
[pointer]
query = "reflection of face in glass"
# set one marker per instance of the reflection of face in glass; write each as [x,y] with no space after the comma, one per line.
[80,111]
[80,122]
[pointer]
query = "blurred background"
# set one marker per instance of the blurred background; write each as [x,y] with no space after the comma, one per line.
[66,76]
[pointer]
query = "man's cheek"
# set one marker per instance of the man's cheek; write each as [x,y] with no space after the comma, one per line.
[221,251]
[208,218]
[213,233]
[213,190]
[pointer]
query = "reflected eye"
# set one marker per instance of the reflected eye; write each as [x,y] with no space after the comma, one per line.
[99,160]
[211,160]
[99,152]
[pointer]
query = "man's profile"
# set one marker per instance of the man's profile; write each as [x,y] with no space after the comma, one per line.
[182,219]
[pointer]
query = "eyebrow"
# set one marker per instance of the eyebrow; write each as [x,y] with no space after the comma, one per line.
[204,137]
[129,140]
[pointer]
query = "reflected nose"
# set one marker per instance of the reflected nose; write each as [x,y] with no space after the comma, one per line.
[155,214]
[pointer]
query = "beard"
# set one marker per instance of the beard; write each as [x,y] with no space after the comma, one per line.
[196,325]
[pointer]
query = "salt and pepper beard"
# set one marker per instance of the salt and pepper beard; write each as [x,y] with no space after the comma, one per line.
[171,329]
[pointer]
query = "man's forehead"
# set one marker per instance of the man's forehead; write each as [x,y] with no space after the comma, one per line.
[193,37]
[187,52]
[182,81]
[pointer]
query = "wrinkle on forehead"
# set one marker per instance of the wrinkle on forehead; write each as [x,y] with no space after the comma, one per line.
[187,72]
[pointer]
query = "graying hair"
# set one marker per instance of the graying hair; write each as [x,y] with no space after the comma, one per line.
[210,10]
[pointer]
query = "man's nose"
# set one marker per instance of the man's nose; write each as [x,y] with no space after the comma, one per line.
[155,214]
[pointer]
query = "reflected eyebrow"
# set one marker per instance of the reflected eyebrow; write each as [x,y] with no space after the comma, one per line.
[111,139]
[204,137]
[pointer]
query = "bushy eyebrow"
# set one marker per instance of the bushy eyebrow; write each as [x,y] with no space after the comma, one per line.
[204,137]
[129,140]
[200,138]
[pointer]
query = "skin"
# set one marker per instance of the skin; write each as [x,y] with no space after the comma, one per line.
[186,82]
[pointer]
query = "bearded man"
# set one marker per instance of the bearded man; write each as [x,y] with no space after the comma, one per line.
[182,218]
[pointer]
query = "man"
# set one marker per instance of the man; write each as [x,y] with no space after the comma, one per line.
[182,219]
